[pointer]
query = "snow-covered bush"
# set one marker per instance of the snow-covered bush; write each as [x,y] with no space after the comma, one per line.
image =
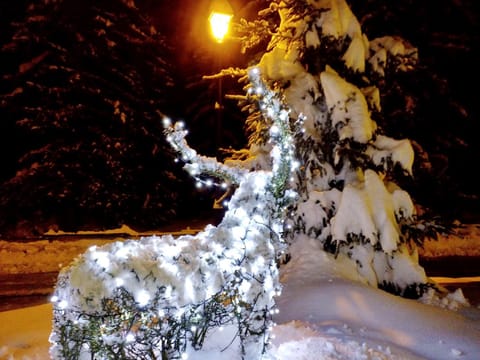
[162,297]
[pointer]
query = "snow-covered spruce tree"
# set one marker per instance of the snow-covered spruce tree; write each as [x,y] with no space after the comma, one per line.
[165,297]
[82,86]
[327,72]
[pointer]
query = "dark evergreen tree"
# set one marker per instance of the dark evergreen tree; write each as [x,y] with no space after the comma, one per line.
[82,100]
[432,104]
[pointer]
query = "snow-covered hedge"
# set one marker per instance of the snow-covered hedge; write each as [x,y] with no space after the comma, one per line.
[160,297]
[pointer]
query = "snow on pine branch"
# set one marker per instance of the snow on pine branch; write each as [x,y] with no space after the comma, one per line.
[283,150]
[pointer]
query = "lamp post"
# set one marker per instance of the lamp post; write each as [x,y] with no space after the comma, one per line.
[221,13]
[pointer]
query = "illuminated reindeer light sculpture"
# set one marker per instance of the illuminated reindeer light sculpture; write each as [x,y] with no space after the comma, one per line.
[167,298]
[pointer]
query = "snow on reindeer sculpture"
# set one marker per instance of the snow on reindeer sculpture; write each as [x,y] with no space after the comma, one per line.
[165,297]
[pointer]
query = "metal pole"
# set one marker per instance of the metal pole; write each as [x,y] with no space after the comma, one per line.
[219,114]
[219,104]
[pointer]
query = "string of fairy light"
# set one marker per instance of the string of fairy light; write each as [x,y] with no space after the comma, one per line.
[244,251]
[197,165]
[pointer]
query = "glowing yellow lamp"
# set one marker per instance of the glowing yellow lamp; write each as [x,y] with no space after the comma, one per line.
[220,15]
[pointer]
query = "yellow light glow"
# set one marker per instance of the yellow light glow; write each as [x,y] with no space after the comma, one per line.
[219,25]
[221,12]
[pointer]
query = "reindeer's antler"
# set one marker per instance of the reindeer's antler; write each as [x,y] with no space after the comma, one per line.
[276,112]
[197,164]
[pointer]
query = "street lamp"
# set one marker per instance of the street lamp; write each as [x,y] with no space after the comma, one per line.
[220,15]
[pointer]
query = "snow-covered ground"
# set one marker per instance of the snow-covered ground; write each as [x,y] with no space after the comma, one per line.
[50,255]
[325,313]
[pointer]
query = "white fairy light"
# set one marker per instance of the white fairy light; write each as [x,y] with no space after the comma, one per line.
[241,213]
[216,248]
[238,232]
[179,313]
[189,289]
[122,253]
[63,304]
[130,338]
[260,182]
[274,130]
[249,245]
[245,286]
[142,297]
[225,265]
[101,258]
[168,292]
[234,261]
[167,122]
[210,291]
[254,71]
[258,219]
[193,169]
[270,112]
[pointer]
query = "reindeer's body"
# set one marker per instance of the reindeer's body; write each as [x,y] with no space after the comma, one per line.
[222,267]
